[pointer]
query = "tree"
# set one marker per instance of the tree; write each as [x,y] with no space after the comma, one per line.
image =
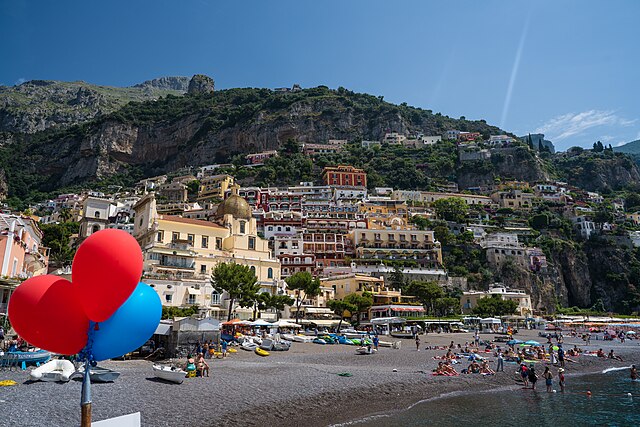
[426,292]
[290,146]
[172,312]
[447,306]
[362,302]
[339,307]
[451,209]
[266,301]
[238,281]
[396,278]
[57,237]
[539,222]
[494,306]
[305,285]
[530,142]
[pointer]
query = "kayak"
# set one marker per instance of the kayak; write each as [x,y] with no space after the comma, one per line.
[261,352]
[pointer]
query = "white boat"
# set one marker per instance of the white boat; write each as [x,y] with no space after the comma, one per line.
[249,345]
[281,346]
[288,337]
[395,344]
[54,370]
[365,350]
[267,344]
[168,373]
[303,338]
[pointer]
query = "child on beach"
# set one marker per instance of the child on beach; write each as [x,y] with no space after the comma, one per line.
[561,379]
[524,374]
[548,379]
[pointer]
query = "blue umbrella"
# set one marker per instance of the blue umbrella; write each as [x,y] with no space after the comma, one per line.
[513,342]
[533,343]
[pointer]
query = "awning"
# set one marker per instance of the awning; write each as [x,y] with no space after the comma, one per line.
[261,322]
[387,320]
[407,308]
[317,310]
[193,291]
[163,329]
[491,320]
[327,323]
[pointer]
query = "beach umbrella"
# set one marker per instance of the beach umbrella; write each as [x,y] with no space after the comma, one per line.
[532,342]
[513,342]
[631,332]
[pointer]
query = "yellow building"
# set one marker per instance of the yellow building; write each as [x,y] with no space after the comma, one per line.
[183,252]
[344,285]
[214,186]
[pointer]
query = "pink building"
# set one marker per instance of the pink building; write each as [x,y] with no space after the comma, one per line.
[21,250]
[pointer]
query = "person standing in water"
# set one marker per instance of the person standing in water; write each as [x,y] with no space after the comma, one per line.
[548,379]
[533,377]
[561,379]
[634,373]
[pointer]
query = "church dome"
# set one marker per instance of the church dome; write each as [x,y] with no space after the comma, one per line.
[234,205]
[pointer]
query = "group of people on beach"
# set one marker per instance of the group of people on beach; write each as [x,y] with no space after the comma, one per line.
[530,377]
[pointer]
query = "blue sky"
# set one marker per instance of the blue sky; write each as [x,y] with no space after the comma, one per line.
[568,69]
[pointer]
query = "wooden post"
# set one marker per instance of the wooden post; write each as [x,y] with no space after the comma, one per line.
[85,403]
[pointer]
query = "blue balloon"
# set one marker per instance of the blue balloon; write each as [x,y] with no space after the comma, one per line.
[130,326]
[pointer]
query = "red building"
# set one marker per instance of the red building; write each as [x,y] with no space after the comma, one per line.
[344,175]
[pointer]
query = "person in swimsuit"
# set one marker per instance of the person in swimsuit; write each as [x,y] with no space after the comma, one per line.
[532,377]
[561,379]
[548,379]
[634,373]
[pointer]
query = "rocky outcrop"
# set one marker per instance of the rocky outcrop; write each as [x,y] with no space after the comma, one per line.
[180,84]
[602,172]
[201,85]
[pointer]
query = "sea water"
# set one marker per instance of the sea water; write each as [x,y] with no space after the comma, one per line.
[608,405]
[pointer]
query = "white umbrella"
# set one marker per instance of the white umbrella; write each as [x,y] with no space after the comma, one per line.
[285,324]
[491,320]
[261,322]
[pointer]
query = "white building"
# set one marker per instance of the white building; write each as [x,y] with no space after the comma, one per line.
[470,299]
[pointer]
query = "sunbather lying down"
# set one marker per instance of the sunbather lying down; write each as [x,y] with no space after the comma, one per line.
[445,369]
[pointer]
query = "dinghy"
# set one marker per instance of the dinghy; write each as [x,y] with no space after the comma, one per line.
[365,350]
[54,370]
[248,345]
[281,346]
[98,374]
[17,358]
[168,373]
[261,352]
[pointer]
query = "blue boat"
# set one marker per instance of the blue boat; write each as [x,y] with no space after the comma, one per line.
[17,358]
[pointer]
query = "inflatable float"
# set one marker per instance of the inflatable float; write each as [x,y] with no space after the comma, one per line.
[261,352]
[54,370]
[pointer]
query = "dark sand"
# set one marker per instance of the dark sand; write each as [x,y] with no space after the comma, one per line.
[298,387]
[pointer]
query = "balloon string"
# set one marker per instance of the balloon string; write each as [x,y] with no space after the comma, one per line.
[86,354]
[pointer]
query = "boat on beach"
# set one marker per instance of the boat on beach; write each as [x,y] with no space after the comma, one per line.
[365,350]
[98,374]
[248,345]
[16,358]
[54,370]
[168,373]
[303,338]
[402,334]
[261,352]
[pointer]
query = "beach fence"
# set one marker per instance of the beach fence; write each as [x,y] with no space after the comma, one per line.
[185,332]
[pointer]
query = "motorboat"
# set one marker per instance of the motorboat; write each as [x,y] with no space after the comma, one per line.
[17,358]
[168,373]
[319,341]
[267,344]
[365,350]
[402,334]
[303,338]
[98,374]
[395,344]
[54,370]
[281,346]
[288,337]
[248,345]
[261,352]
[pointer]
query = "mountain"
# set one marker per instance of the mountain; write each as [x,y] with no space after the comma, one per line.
[632,147]
[38,105]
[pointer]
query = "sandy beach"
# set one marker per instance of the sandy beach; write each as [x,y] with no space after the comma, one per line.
[298,387]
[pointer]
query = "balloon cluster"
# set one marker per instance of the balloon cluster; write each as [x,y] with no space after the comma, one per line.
[102,313]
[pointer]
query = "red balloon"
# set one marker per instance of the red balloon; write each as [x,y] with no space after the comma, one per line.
[46,312]
[105,272]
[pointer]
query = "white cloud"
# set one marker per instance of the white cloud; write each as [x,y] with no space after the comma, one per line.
[20,81]
[571,124]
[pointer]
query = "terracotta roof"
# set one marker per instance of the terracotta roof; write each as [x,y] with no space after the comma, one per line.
[182,220]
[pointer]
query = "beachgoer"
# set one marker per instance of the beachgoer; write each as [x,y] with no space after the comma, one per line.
[484,369]
[613,356]
[205,349]
[524,374]
[600,353]
[417,343]
[224,348]
[561,355]
[589,338]
[376,341]
[451,345]
[634,373]
[203,367]
[548,379]
[531,374]
[476,338]
[561,379]
[500,366]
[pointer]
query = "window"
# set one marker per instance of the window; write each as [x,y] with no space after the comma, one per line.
[14,269]
[95,229]
[403,238]
[215,298]
[191,238]
[391,237]
[205,241]
[219,243]
[242,227]
[175,236]
[253,269]
[203,269]
[192,299]
[270,273]
[160,236]
[414,238]
[97,214]
[252,242]
[141,221]
[168,298]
